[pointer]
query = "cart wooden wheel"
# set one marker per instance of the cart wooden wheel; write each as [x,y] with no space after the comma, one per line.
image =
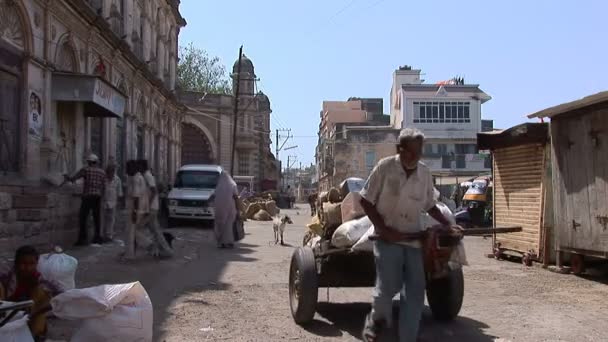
[445,295]
[577,264]
[303,285]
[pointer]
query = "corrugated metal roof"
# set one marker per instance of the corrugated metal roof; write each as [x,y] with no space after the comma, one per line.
[571,106]
[521,134]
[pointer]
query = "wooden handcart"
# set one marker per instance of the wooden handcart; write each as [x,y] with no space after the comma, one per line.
[327,266]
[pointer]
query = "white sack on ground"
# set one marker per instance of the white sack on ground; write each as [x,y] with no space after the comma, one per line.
[365,244]
[350,232]
[16,330]
[120,312]
[59,268]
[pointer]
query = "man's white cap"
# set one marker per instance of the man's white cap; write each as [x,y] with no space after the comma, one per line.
[92,158]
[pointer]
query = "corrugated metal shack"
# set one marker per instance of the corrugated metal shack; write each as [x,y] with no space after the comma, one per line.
[522,190]
[579,135]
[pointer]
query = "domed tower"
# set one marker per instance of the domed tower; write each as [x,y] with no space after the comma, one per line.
[247,86]
[265,110]
[264,102]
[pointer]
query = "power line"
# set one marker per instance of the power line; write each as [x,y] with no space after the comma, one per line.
[278,121]
[342,10]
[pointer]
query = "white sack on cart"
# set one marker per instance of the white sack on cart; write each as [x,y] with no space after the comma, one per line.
[350,232]
[427,221]
[59,268]
[16,330]
[365,244]
[351,207]
[120,312]
[458,257]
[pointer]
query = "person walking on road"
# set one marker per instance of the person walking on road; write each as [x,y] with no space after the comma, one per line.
[159,247]
[226,204]
[137,208]
[397,190]
[93,189]
[113,191]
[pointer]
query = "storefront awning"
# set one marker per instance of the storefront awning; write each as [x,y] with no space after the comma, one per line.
[100,98]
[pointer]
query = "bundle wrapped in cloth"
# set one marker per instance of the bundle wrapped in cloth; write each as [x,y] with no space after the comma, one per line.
[350,232]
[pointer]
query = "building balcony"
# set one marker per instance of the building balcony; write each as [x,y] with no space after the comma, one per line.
[458,163]
[244,142]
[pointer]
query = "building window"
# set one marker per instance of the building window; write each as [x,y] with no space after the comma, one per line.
[465,148]
[487,162]
[140,142]
[244,166]
[442,149]
[121,133]
[442,112]
[370,160]
[9,121]
[428,150]
[446,161]
[241,124]
[460,161]
[116,18]
[355,165]
[97,136]
[95,4]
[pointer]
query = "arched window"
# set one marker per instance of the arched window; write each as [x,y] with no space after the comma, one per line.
[65,128]
[66,58]
[116,19]
[13,37]
[139,129]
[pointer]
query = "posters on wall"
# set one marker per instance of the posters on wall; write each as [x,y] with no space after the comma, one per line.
[35,117]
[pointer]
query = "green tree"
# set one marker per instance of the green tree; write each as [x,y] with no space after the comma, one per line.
[197,71]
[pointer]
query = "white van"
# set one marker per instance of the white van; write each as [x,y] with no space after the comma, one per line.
[193,192]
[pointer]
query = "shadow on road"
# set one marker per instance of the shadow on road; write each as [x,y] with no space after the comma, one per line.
[347,318]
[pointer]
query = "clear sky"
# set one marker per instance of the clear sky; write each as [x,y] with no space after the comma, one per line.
[526,54]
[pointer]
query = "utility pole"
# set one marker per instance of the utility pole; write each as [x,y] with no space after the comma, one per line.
[236,109]
[287,170]
[300,188]
[279,148]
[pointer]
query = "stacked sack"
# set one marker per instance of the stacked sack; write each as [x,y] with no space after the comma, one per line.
[327,219]
[261,210]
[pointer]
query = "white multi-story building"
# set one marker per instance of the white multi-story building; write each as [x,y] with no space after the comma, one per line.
[449,114]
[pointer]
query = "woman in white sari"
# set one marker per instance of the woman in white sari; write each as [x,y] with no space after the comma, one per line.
[226,195]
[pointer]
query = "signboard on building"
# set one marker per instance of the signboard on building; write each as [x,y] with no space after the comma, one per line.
[99,97]
[107,97]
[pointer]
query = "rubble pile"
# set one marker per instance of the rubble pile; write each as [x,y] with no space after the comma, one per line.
[328,218]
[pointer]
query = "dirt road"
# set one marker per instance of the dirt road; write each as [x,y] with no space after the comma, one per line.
[206,294]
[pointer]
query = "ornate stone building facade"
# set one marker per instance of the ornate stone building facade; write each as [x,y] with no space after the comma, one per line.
[80,77]
[208,128]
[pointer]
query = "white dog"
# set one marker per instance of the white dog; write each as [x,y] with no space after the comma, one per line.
[278,225]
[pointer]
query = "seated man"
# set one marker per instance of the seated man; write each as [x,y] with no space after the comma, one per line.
[23,282]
